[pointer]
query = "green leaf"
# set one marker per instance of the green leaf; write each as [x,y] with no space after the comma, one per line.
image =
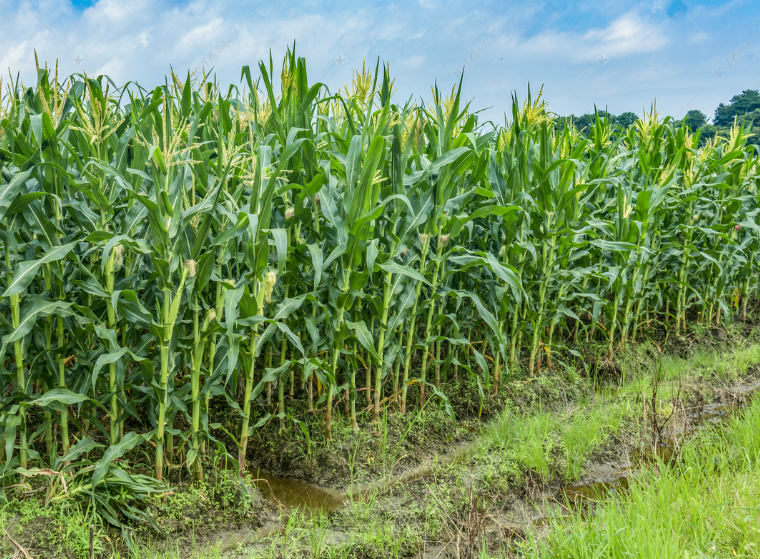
[394,268]
[38,308]
[280,237]
[485,314]
[364,337]
[60,396]
[10,190]
[130,441]
[270,375]
[288,306]
[241,225]
[82,447]
[106,359]
[317,260]
[24,272]
[289,333]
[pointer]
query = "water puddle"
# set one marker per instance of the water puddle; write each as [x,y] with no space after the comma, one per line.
[297,494]
[577,494]
[715,413]
[294,493]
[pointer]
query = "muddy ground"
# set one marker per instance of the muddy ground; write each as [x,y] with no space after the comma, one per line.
[421,485]
[442,477]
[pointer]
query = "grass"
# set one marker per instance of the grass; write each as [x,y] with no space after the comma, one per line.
[553,441]
[548,443]
[63,530]
[706,506]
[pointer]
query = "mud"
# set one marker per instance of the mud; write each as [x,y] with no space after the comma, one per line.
[293,493]
[399,491]
[531,507]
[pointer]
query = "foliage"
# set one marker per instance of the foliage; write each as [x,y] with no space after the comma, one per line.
[746,103]
[173,252]
[695,119]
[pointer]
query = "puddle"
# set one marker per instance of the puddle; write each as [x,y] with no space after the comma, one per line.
[294,493]
[595,491]
[715,413]
[610,478]
[297,494]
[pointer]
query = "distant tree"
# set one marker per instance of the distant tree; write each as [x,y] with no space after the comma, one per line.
[695,119]
[739,106]
[585,122]
[753,117]
[627,119]
[745,106]
[604,114]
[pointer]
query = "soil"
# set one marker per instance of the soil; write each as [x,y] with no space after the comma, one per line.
[529,506]
[401,466]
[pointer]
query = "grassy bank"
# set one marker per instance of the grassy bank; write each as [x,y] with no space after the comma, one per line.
[707,504]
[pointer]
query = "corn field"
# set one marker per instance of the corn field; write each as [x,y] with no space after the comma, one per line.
[180,260]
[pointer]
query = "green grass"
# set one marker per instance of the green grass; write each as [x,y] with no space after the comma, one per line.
[62,530]
[551,439]
[550,443]
[708,505]
[728,363]
[587,431]
[557,443]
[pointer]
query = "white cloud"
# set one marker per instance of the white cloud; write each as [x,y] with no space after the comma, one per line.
[628,34]
[414,62]
[138,40]
[15,56]
[699,37]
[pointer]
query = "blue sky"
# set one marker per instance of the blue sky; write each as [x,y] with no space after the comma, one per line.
[685,54]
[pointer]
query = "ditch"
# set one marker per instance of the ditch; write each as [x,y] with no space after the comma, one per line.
[563,446]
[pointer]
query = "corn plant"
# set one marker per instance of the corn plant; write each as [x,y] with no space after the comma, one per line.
[187,270]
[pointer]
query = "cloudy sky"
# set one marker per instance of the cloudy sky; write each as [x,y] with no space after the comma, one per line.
[623,55]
